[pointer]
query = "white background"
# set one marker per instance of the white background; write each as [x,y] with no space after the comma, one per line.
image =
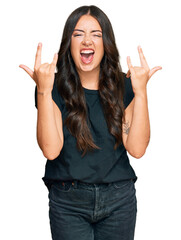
[155,25]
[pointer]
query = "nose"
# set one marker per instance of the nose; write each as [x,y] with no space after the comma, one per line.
[87,40]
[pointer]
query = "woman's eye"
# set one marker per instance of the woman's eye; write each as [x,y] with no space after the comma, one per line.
[75,35]
[97,36]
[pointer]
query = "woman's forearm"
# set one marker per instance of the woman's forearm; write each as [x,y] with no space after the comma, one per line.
[139,132]
[47,133]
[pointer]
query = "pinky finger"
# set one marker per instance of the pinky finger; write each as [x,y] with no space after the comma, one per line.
[54,62]
[128,74]
[129,64]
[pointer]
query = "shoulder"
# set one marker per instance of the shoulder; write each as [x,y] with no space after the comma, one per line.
[128,91]
[56,94]
[127,83]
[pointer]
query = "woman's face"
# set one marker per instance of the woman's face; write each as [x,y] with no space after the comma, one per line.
[87,47]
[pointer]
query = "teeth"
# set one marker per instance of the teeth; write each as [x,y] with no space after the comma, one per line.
[87,51]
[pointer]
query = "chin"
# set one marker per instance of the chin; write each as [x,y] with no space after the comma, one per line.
[87,68]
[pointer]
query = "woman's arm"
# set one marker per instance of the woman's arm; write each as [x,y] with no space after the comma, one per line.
[137,125]
[49,135]
[136,129]
[49,122]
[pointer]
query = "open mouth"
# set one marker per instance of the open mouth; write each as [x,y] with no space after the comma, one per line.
[87,56]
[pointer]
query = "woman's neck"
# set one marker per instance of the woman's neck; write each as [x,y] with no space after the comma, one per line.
[90,79]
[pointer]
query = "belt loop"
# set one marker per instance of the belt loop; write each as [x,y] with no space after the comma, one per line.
[74,183]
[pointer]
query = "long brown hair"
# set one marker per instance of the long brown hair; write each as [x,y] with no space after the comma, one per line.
[111,82]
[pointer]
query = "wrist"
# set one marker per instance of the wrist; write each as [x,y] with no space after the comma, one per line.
[43,92]
[141,93]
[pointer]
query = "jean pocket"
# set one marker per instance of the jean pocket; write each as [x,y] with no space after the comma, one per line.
[61,186]
[122,184]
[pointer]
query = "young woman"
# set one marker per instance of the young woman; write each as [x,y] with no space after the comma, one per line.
[90,114]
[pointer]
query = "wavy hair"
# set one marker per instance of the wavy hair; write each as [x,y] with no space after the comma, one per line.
[111,82]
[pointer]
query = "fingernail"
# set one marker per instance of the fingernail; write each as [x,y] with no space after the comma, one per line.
[39,44]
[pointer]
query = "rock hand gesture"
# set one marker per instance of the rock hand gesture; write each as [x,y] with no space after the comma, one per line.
[43,74]
[140,75]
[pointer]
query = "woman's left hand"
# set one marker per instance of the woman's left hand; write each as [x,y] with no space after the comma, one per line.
[140,75]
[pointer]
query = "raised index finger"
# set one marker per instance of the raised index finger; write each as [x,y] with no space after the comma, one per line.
[38,56]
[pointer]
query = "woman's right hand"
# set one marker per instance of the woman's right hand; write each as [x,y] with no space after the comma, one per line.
[43,74]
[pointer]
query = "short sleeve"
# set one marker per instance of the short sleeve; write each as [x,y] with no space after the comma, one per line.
[55,96]
[129,94]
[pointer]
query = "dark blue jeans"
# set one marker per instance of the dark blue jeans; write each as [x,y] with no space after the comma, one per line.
[83,211]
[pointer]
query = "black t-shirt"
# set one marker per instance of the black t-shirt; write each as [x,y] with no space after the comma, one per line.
[103,165]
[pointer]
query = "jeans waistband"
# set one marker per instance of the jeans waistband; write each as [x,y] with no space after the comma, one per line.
[76,183]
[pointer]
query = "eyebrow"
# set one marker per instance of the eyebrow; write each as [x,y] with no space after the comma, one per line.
[91,31]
